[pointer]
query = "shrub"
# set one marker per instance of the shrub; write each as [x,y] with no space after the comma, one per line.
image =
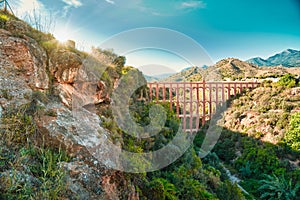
[225,149]
[287,80]
[261,160]
[292,137]
[229,191]
[274,187]
[162,189]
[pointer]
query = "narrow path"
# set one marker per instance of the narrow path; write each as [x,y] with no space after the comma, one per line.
[233,179]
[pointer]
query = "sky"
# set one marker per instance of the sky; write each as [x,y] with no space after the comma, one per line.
[211,29]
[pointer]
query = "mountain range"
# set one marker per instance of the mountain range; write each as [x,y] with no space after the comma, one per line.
[287,58]
[287,61]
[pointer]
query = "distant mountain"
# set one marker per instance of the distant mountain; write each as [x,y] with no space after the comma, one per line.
[188,68]
[230,69]
[150,79]
[186,75]
[287,58]
[158,77]
[258,61]
[287,61]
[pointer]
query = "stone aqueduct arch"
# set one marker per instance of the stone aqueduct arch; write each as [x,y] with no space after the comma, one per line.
[195,101]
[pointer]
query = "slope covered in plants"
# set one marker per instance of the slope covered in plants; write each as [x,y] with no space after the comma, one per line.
[260,140]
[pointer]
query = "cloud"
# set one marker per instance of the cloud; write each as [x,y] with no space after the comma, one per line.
[73,3]
[110,1]
[192,5]
[35,13]
[23,7]
[70,4]
[166,8]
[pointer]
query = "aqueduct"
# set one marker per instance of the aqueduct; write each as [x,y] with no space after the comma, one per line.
[195,101]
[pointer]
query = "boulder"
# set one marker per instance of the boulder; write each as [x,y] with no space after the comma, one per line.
[64,66]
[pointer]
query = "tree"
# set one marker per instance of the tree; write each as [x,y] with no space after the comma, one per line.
[163,189]
[287,80]
[119,62]
[230,191]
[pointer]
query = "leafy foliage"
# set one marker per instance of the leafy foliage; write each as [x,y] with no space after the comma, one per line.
[163,189]
[119,62]
[292,137]
[229,191]
[287,80]
[259,160]
[274,187]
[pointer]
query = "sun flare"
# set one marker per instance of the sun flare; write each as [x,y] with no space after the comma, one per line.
[62,34]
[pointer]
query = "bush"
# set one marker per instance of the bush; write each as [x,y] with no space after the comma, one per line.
[229,191]
[3,20]
[225,149]
[292,137]
[274,187]
[259,160]
[287,80]
[162,189]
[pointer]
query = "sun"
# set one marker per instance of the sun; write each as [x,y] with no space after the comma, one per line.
[62,34]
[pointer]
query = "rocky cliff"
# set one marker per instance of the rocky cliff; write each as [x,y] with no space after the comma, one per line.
[39,79]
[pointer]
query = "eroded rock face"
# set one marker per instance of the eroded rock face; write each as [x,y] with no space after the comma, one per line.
[64,66]
[23,69]
[88,182]
[74,78]
[95,92]
[27,58]
[84,180]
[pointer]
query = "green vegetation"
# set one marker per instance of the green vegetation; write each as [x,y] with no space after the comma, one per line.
[187,178]
[287,80]
[4,18]
[292,137]
[267,170]
[274,187]
[42,178]
[119,62]
[257,161]
[18,126]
